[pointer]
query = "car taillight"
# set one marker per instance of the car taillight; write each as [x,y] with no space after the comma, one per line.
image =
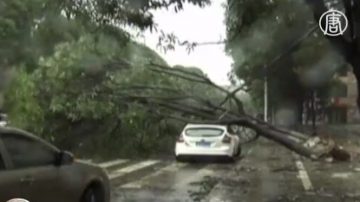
[180,139]
[226,139]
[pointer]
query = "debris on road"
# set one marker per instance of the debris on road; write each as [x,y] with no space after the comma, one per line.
[204,188]
[237,182]
[245,169]
[288,198]
[341,175]
[352,196]
[286,168]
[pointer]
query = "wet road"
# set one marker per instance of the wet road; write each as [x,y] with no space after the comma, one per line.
[267,173]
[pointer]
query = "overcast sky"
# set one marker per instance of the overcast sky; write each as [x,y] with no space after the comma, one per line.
[196,25]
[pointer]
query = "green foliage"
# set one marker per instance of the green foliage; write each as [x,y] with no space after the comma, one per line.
[82,92]
[77,74]
[16,23]
[22,106]
[31,28]
[77,65]
[63,94]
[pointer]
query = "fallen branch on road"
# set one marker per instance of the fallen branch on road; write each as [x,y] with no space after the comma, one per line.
[316,148]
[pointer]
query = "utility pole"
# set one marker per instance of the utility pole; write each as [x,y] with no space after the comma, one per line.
[266,94]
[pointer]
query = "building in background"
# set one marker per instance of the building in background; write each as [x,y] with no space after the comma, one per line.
[338,106]
[343,107]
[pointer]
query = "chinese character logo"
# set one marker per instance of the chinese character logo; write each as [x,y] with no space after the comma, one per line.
[333,23]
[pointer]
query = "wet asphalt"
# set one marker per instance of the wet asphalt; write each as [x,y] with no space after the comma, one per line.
[265,172]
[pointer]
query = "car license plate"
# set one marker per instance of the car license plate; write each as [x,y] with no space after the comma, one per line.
[203,144]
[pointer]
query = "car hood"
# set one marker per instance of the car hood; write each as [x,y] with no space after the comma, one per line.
[91,169]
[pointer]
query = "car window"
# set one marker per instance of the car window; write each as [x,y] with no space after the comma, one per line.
[26,152]
[203,132]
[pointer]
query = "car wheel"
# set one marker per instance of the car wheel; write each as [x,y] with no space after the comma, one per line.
[238,152]
[230,159]
[179,158]
[92,194]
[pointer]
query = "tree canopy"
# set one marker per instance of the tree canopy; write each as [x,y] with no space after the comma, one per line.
[279,39]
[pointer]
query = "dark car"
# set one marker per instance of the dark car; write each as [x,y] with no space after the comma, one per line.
[35,170]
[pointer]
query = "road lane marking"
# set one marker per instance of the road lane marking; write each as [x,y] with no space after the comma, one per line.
[86,160]
[357,169]
[139,183]
[113,163]
[122,171]
[303,175]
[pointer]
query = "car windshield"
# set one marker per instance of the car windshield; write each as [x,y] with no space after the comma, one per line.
[204,132]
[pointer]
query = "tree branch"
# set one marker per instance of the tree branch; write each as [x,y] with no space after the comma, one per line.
[199,78]
[233,93]
[178,75]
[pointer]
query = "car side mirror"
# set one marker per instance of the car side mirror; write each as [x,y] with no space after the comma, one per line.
[64,158]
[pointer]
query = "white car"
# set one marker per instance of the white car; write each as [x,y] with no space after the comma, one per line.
[3,123]
[3,120]
[207,140]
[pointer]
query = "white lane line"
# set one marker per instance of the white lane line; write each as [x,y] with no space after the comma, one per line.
[86,160]
[139,183]
[122,171]
[303,175]
[112,163]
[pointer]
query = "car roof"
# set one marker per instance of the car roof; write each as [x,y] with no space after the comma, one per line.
[12,130]
[191,125]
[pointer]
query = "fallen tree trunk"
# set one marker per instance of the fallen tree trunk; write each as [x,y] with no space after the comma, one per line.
[316,148]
